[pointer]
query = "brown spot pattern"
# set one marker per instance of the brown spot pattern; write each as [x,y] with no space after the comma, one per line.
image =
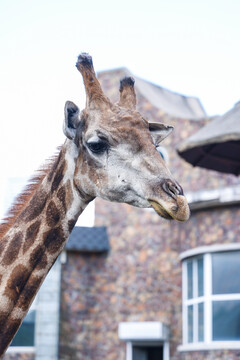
[7,330]
[29,292]
[38,258]
[13,249]
[71,224]
[54,168]
[36,205]
[3,245]
[61,194]
[58,177]
[31,235]
[16,282]
[52,214]
[54,239]
[3,316]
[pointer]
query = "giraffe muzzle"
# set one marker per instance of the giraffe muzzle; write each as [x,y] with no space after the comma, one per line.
[173,204]
[176,209]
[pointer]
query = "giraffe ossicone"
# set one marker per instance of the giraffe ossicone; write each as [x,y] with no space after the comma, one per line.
[110,152]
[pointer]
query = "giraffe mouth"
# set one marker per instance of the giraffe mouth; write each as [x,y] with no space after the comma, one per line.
[160,210]
[178,211]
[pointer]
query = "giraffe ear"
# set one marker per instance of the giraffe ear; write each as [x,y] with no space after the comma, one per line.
[159,131]
[71,119]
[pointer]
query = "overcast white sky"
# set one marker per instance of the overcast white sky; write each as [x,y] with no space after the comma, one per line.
[191,47]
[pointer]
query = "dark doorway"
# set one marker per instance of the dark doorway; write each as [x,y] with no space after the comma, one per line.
[147,353]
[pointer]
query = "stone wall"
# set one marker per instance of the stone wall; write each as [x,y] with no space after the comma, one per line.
[210,355]
[18,356]
[139,280]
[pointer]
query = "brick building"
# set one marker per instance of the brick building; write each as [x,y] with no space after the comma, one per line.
[142,287]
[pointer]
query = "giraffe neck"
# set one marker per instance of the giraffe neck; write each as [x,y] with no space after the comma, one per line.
[30,247]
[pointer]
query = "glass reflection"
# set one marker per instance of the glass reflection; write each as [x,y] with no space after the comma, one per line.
[190,323]
[226,320]
[190,279]
[200,276]
[200,322]
[226,269]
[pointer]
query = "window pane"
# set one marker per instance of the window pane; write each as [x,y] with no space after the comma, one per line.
[226,269]
[190,323]
[200,322]
[190,279]
[200,276]
[25,334]
[226,320]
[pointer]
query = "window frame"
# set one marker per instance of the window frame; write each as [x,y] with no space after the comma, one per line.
[144,333]
[208,298]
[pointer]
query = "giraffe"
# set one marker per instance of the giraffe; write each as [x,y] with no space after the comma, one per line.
[109,152]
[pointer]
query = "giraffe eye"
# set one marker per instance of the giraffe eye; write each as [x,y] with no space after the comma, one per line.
[98,147]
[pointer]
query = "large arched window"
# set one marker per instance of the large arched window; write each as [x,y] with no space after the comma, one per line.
[211,297]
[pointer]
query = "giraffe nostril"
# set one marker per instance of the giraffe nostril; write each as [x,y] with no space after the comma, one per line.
[180,189]
[172,189]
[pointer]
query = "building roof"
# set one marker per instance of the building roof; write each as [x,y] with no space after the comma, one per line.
[216,145]
[88,239]
[170,102]
[220,129]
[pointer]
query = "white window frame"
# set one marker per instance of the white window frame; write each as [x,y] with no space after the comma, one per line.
[207,299]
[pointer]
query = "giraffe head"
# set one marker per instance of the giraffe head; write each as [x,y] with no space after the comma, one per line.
[115,150]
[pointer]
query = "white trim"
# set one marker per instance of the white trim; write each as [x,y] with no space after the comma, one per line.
[129,351]
[209,249]
[225,297]
[215,345]
[203,199]
[166,350]
[195,291]
[143,331]
[207,294]
[21,349]
[184,297]
[194,301]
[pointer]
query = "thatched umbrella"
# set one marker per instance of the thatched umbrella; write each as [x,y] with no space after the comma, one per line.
[217,145]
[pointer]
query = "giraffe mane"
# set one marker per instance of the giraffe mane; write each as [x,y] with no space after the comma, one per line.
[23,198]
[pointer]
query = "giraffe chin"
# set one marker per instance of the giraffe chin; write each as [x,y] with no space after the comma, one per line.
[180,212]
